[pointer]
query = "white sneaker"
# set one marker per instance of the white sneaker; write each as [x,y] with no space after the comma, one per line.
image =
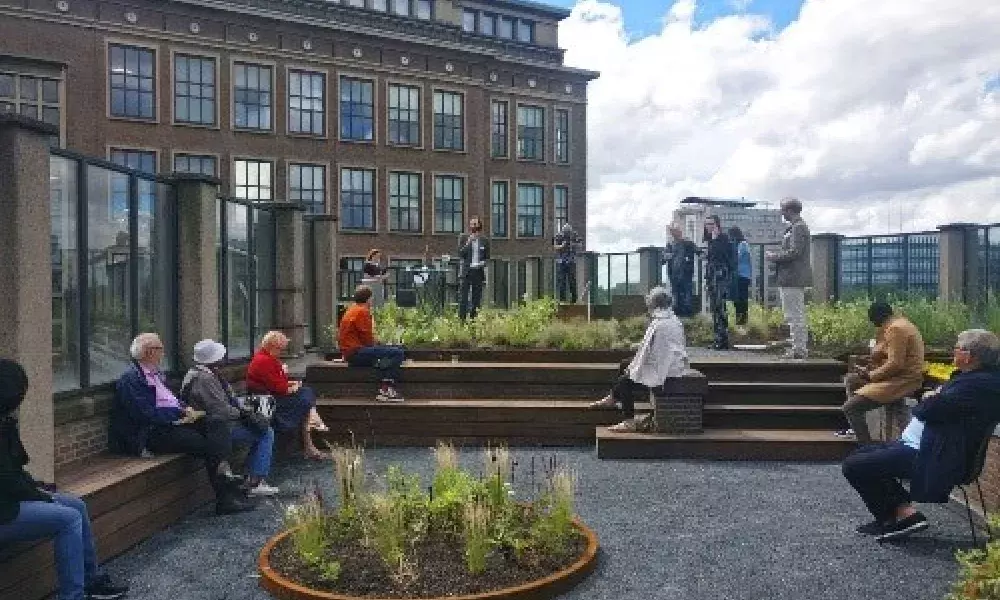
[388,395]
[263,489]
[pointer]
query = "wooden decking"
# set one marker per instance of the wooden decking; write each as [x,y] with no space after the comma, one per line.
[800,445]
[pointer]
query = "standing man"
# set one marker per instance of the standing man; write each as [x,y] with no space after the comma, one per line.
[680,270]
[793,269]
[565,244]
[720,264]
[474,251]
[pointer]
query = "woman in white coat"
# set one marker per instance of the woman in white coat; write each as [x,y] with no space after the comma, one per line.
[661,354]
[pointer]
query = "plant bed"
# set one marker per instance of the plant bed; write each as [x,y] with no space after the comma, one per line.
[465,537]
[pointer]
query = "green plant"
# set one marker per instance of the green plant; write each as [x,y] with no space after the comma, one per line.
[979,574]
[349,473]
[478,544]
[386,527]
[553,529]
[308,525]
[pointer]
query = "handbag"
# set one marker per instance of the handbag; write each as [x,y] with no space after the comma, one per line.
[256,411]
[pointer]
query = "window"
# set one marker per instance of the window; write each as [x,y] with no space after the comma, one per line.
[132,82]
[401,7]
[469,21]
[531,132]
[194,89]
[380,5]
[562,135]
[307,184]
[499,129]
[448,127]
[404,115]
[35,97]
[306,102]
[357,109]
[487,24]
[252,98]
[356,3]
[498,208]
[353,272]
[195,163]
[424,10]
[505,28]
[560,200]
[253,179]
[140,160]
[449,204]
[404,202]
[525,31]
[357,199]
[530,210]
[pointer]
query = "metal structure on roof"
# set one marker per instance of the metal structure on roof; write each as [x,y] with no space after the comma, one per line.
[707,201]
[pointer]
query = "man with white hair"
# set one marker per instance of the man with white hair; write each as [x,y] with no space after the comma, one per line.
[793,274]
[937,447]
[566,243]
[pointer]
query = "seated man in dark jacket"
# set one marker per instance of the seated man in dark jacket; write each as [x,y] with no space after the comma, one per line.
[937,447]
[147,417]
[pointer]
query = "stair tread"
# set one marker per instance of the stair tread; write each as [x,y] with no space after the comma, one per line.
[471,364]
[527,403]
[821,436]
[828,408]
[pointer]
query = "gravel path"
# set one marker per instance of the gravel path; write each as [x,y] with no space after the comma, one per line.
[679,529]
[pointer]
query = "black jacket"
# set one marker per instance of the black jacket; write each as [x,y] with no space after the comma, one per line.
[680,264]
[721,254]
[16,485]
[956,421]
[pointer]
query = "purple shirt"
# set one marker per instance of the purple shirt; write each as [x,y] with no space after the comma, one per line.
[164,397]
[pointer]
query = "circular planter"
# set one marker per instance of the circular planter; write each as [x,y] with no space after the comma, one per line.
[540,589]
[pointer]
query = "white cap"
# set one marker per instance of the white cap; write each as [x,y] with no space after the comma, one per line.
[208,352]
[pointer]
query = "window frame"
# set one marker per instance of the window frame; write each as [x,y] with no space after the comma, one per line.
[464,214]
[555,134]
[254,159]
[421,101]
[517,205]
[192,153]
[373,82]
[155,50]
[375,198]
[540,144]
[272,66]
[493,232]
[325,114]
[507,134]
[289,163]
[39,103]
[174,54]
[420,201]
[464,125]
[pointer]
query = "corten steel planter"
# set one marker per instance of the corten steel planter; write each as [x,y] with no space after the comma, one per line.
[541,589]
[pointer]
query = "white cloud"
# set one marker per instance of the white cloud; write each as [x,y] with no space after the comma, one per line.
[879,115]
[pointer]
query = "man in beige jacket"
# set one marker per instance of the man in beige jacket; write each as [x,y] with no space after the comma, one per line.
[793,273]
[895,369]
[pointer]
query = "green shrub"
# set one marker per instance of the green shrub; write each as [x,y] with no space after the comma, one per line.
[979,575]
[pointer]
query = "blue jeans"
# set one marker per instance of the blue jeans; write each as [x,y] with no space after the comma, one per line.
[261,449]
[67,522]
[387,360]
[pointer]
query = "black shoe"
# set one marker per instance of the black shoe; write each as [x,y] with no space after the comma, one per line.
[904,527]
[102,589]
[875,527]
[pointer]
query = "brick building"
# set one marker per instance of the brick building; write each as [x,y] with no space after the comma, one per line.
[402,117]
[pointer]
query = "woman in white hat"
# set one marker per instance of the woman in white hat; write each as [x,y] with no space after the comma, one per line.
[205,389]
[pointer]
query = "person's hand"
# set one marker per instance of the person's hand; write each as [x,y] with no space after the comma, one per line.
[284,368]
[294,386]
[862,372]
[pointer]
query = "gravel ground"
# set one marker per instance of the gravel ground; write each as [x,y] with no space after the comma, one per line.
[678,529]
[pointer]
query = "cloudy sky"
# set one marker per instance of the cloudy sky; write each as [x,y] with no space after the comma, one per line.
[881,115]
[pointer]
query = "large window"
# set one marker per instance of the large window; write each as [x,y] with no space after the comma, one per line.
[530,210]
[499,128]
[469,21]
[196,163]
[357,109]
[404,115]
[487,24]
[357,199]
[35,97]
[252,96]
[560,201]
[132,82]
[140,160]
[306,102]
[194,89]
[449,131]
[449,204]
[253,179]
[531,132]
[307,184]
[423,9]
[562,135]
[525,31]
[505,28]
[404,202]
[498,208]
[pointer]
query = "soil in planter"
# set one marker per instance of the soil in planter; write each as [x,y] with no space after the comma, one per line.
[438,570]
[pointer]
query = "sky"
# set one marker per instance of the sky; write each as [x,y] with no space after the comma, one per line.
[880,116]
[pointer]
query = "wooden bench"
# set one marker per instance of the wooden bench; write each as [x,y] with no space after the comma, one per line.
[129,500]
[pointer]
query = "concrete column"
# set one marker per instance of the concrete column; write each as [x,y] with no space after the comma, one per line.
[289,284]
[649,268]
[824,265]
[25,267]
[198,259]
[531,267]
[952,244]
[488,292]
[325,292]
[586,271]
[548,267]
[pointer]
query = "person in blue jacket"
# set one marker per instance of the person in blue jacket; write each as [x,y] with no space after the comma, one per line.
[937,447]
[744,273]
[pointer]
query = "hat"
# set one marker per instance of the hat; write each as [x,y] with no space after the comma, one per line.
[208,352]
[13,385]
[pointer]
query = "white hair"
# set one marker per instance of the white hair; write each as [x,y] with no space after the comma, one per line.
[982,345]
[659,298]
[272,338]
[141,343]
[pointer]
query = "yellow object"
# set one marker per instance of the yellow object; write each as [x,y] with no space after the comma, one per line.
[939,371]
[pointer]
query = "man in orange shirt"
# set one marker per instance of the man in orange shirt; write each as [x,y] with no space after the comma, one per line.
[356,338]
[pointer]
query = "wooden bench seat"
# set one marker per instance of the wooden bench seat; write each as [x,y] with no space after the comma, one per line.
[129,499]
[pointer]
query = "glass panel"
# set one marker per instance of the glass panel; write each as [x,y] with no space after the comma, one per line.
[6,86]
[264,263]
[65,277]
[424,9]
[107,277]
[156,264]
[240,280]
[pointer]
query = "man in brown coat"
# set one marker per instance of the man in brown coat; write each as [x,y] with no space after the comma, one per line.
[895,369]
[793,274]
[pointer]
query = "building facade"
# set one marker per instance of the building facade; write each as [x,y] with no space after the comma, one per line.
[404,118]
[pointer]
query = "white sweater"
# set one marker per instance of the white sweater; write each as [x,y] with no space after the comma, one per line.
[662,352]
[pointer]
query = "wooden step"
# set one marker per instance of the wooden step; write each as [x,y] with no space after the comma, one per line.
[771,393]
[727,444]
[773,416]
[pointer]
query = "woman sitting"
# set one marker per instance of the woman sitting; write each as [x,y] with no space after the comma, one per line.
[28,512]
[661,354]
[295,404]
[206,390]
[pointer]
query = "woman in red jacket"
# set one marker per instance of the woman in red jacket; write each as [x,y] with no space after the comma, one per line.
[295,404]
